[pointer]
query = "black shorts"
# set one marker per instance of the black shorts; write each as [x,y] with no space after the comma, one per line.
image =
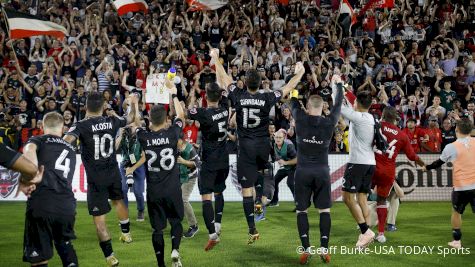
[253,155]
[169,207]
[98,196]
[357,178]
[41,231]
[210,181]
[312,180]
[460,199]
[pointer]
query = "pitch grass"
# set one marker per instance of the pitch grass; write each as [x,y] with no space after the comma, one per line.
[420,224]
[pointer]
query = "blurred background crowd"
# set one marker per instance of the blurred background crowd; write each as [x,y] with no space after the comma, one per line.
[417,56]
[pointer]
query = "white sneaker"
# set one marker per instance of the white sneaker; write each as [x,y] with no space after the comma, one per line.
[176,260]
[381,238]
[217,227]
[365,239]
[455,244]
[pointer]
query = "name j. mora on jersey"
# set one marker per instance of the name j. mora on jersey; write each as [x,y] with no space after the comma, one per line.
[386,250]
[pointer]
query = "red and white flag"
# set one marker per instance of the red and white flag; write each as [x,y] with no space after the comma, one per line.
[372,4]
[345,8]
[125,6]
[21,25]
[196,5]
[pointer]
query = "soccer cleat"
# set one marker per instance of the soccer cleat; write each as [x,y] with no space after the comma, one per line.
[191,231]
[365,239]
[262,215]
[126,238]
[176,260]
[258,209]
[381,238]
[274,204]
[140,216]
[305,258]
[455,244]
[112,261]
[391,227]
[324,255]
[253,237]
[211,244]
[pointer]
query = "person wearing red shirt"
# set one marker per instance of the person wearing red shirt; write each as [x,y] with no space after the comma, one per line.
[385,173]
[434,143]
[415,134]
[190,132]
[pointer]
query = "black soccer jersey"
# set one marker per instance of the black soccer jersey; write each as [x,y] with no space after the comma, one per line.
[97,138]
[54,194]
[314,133]
[252,111]
[213,126]
[160,148]
[8,156]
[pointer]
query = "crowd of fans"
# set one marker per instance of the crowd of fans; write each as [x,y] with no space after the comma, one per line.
[417,57]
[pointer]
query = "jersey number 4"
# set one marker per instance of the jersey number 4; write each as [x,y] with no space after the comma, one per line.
[166,156]
[63,164]
[250,113]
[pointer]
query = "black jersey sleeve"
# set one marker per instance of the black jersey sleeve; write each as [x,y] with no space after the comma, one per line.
[274,97]
[74,131]
[178,127]
[119,121]
[8,156]
[194,114]
[336,109]
[296,109]
[232,94]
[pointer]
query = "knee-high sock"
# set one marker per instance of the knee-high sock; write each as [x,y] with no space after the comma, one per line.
[248,205]
[176,233]
[159,247]
[208,216]
[302,224]
[325,226]
[67,253]
[218,207]
[457,234]
[382,212]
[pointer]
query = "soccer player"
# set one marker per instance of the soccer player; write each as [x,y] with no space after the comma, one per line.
[312,176]
[215,168]
[361,166]
[460,153]
[252,118]
[164,196]
[51,209]
[97,138]
[385,172]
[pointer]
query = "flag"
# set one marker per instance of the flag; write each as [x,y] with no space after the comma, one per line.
[345,8]
[21,25]
[372,4]
[196,5]
[125,6]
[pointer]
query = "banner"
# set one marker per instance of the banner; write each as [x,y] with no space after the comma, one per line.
[372,4]
[21,25]
[156,90]
[197,5]
[417,184]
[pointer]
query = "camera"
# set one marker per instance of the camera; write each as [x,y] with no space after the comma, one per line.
[130,181]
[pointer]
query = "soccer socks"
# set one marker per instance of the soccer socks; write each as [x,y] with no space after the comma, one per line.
[125,226]
[248,205]
[382,212]
[176,233]
[325,225]
[219,207]
[159,247]
[106,247]
[363,227]
[302,224]
[67,253]
[457,234]
[208,216]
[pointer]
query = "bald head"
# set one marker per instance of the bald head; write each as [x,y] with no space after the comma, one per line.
[315,101]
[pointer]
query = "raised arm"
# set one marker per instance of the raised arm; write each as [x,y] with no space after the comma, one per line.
[292,84]
[180,113]
[223,78]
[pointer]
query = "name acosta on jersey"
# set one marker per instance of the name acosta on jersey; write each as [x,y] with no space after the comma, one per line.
[158,142]
[102,126]
[219,116]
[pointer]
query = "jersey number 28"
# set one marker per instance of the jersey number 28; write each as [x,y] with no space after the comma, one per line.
[167,160]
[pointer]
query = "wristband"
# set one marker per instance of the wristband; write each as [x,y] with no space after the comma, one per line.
[174,95]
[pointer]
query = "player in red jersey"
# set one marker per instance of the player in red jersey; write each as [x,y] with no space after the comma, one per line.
[385,173]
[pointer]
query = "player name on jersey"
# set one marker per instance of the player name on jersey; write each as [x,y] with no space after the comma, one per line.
[102,126]
[158,142]
[219,116]
[59,140]
[393,131]
[253,102]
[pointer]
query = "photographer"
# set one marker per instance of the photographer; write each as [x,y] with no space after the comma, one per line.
[131,152]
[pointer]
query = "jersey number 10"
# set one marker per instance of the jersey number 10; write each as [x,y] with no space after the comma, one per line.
[100,146]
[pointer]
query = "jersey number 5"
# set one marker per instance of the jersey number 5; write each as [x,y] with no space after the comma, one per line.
[165,155]
[251,113]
